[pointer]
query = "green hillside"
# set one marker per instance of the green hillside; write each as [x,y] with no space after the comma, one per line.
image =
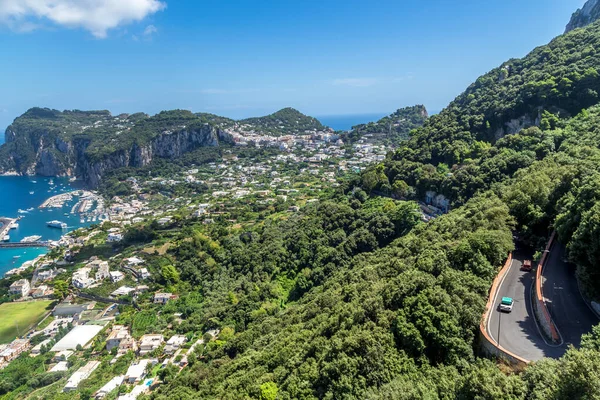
[284,122]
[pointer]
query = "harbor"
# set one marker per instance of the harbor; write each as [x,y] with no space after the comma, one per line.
[33,221]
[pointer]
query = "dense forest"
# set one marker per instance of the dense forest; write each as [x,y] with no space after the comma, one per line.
[400,320]
[353,296]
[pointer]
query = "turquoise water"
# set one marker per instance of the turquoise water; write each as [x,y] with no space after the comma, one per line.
[28,193]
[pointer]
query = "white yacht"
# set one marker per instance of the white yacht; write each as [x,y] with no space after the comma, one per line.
[57,224]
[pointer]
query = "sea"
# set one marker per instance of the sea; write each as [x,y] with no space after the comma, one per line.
[346,122]
[27,194]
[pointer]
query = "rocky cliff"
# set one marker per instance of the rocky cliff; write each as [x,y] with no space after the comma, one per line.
[586,15]
[88,144]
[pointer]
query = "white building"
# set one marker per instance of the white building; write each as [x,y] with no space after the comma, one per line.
[137,372]
[149,343]
[20,288]
[81,278]
[114,237]
[109,387]
[82,374]
[174,344]
[116,276]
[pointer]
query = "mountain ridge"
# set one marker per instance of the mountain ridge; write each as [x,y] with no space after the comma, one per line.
[584,16]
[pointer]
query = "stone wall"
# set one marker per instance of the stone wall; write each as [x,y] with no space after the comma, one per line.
[539,305]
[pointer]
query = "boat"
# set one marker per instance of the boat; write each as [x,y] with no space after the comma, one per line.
[66,214]
[15,257]
[31,209]
[32,192]
[22,211]
[6,238]
[82,221]
[14,225]
[31,239]
[33,181]
[57,224]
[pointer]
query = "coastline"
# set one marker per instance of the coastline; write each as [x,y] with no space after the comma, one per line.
[28,195]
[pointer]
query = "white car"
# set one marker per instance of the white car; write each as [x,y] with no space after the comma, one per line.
[506,304]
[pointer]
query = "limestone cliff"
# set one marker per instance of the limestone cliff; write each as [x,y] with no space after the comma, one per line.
[586,15]
[88,144]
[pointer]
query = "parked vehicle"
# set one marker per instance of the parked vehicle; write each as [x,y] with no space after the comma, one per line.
[527,265]
[506,304]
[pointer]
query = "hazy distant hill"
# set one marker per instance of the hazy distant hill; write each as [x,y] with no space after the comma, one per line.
[288,121]
[392,129]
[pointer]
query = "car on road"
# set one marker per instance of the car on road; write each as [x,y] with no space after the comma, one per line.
[527,265]
[506,304]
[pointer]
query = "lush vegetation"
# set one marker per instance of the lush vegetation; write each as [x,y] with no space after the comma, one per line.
[393,129]
[284,122]
[353,297]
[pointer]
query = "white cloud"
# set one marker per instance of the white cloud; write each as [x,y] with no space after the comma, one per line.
[150,30]
[96,16]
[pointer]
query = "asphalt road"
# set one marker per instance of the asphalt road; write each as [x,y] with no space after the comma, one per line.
[571,314]
[517,331]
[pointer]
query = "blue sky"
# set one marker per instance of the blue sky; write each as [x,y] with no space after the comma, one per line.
[245,57]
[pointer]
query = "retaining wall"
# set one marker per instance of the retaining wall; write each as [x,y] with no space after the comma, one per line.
[539,305]
[488,344]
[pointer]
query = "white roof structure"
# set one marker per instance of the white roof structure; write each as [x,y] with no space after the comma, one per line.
[80,335]
[60,367]
[82,374]
[137,371]
[110,386]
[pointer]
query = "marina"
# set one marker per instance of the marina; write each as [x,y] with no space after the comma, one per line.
[26,218]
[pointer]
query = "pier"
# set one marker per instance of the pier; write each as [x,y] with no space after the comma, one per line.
[5,224]
[21,245]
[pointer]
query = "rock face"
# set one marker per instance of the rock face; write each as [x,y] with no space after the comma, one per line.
[52,143]
[588,14]
[166,145]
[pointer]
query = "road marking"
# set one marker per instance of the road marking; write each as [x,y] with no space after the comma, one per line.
[495,299]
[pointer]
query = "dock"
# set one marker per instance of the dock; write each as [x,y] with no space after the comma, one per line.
[5,225]
[21,245]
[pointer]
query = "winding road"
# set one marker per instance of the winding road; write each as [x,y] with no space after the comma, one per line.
[518,331]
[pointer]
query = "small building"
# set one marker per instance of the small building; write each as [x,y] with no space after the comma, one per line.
[81,278]
[116,276]
[149,343]
[122,291]
[82,374]
[62,356]
[70,310]
[20,288]
[109,387]
[144,274]
[133,261]
[38,348]
[41,291]
[120,338]
[174,344]
[136,372]
[163,298]
[14,350]
[62,366]
[102,270]
[114,238]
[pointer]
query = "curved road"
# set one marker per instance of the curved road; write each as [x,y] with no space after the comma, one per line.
[570,313]
[518,331]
